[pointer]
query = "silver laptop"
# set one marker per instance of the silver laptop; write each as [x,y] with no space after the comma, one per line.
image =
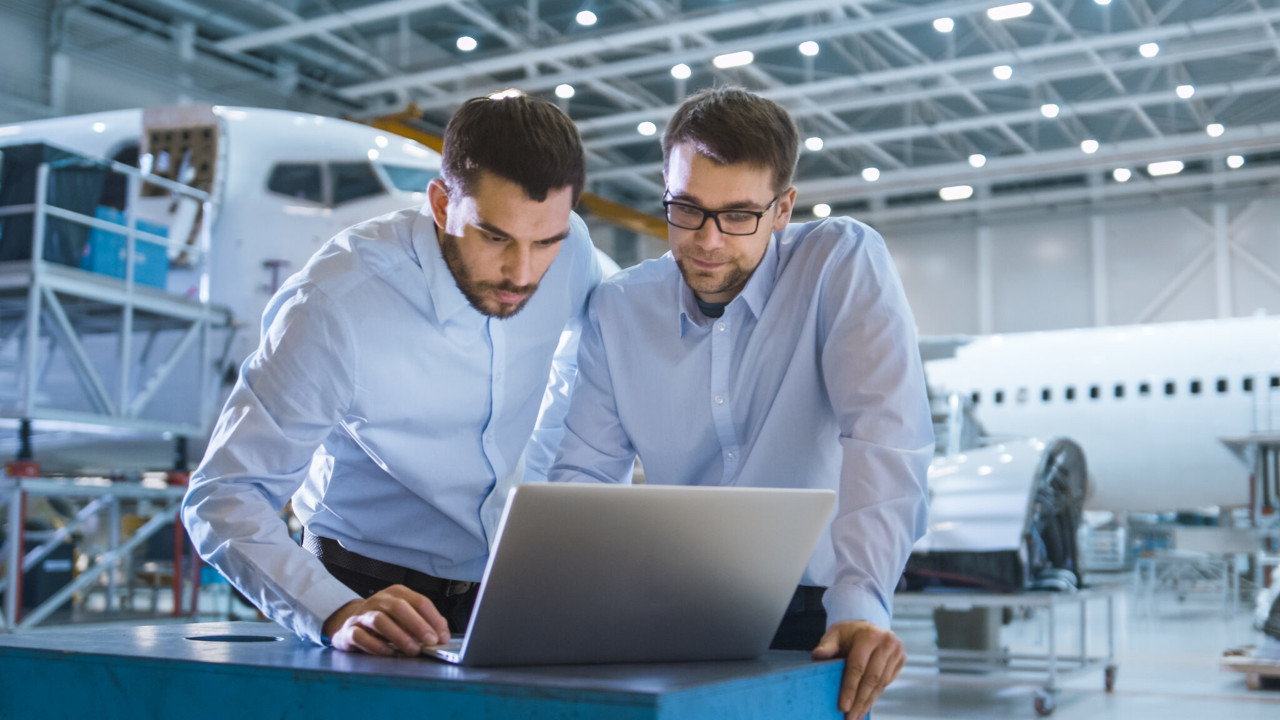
[589,573]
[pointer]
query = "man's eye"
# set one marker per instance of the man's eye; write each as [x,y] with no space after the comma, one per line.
[737,217]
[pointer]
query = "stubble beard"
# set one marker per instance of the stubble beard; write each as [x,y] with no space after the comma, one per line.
[703,283]
[472,289]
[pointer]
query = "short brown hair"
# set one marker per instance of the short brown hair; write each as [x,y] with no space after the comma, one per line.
[526,140]
[730,125]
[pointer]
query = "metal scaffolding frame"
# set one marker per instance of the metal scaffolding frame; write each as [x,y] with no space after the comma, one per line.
[54,307]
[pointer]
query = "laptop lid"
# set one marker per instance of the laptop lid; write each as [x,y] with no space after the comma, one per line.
[592,573]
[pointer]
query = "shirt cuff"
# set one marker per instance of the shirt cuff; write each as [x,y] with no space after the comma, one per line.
[317,604]
[850,602]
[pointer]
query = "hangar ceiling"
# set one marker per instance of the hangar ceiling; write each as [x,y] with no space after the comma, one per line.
[897,100]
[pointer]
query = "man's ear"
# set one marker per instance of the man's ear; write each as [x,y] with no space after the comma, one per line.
[438,199]
[786,203]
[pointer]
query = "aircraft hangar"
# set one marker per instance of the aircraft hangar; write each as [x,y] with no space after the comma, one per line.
[1079,199]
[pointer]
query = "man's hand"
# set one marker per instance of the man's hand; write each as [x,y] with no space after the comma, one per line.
[394,619]
[873,658]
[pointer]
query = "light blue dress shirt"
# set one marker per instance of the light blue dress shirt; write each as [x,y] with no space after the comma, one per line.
[811,379]
[393,413]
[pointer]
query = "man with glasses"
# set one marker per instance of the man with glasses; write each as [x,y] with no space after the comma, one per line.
[762,353]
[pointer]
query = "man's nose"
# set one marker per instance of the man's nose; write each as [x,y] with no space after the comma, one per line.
[518,265]
[709,235]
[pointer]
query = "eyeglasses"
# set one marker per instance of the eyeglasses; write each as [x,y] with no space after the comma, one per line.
[730,222]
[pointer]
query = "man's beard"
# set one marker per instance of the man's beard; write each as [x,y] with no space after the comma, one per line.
[735,279]
[472,289]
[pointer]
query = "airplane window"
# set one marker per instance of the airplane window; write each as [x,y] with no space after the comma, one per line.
[352,181]
[300,181]
[1222,385]
[1275,381]
[1246,385]
[1195,387]
[1070,393]
[1046,395]
[1094,392]
[409,179]
[1144,388]
[999,396]
[1119,390]
[976,397]
[1170,388]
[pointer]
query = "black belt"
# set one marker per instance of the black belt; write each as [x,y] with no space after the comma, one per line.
[332,552]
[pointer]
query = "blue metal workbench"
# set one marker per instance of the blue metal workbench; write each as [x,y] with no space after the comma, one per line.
[159,671]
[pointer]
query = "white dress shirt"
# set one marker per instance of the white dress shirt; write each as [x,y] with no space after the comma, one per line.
[812,378]
[393,413]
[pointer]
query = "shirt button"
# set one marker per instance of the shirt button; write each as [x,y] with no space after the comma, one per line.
[730,456]
[719,399]
[721,326]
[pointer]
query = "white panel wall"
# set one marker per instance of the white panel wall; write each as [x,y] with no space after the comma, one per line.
[1040,274]
[1162,262]
[940,274]
[1256,264]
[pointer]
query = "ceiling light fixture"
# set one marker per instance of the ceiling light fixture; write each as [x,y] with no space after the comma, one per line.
[734,59]
[1167,167]
[466,43]
[871,174]
[1050,110]
[821,210]
[809,48]
[1122,174]
[1235,162]
[1002,72]
[1009,12]
[681,71]
[956,192]
[586,17]
[977,160]
[646,128]
[564,91]
[944,25]
[1089,146]
[814,144]
[1215,129]
[1186,91]
[1148,50]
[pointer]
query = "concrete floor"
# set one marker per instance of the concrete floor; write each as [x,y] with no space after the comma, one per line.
[1167,652]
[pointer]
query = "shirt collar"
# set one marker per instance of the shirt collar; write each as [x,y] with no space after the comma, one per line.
[446,298]
[754,295]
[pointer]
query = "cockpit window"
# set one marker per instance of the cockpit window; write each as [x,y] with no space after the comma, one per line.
[352,181]
[409,179]
[300,181]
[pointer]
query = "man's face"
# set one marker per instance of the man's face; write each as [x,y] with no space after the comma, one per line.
[497,242]
[717,266]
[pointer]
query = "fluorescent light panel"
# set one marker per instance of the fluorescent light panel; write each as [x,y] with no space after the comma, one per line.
[734,59]
[1166,167]
[1009,12]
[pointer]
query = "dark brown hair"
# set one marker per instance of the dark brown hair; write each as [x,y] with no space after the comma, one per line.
[526,140]
[730,125]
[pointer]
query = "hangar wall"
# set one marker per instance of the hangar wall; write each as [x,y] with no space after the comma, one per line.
[1160,263]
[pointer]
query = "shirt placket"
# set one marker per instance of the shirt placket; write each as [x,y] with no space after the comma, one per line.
[497,373]
[721,402]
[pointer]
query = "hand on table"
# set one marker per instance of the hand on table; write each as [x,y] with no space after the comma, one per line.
[396,619]
[873,657]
